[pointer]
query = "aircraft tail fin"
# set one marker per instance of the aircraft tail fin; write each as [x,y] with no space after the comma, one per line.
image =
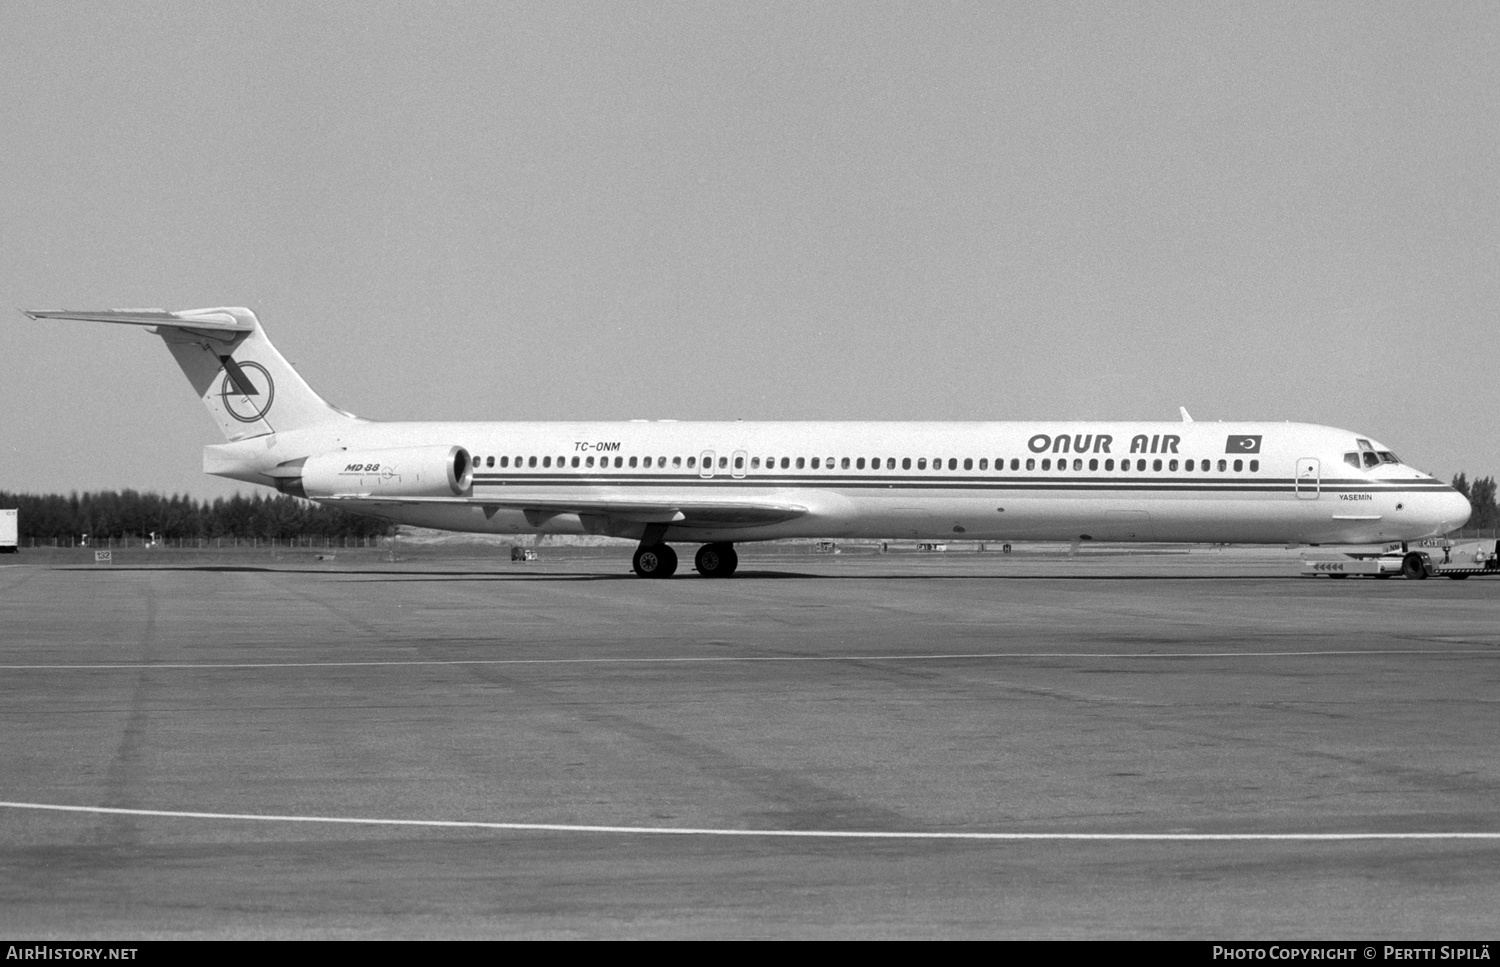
[248,387]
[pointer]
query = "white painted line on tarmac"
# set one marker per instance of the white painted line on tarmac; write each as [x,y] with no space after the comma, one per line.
[731,659]
[763,833]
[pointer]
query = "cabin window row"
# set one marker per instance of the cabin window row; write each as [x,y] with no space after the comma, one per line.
[873,463]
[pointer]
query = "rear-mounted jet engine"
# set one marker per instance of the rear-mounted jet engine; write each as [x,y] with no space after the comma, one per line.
[397,472]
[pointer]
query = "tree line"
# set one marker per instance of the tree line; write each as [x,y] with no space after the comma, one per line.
[129,513]
[1481,494]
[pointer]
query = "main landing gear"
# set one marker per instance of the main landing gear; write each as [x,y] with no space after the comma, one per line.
[657,560]
[716,560]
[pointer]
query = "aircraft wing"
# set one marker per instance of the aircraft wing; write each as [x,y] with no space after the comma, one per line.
[689,512]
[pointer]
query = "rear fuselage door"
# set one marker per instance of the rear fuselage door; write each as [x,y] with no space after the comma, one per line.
[1307,478]
[706,464]
[737,465]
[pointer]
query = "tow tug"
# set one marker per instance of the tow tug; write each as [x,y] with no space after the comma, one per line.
[1439,557]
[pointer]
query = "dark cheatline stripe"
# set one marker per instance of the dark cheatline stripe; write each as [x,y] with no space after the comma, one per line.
[1108,484]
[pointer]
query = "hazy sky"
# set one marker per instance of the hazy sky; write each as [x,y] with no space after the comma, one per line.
[558,210]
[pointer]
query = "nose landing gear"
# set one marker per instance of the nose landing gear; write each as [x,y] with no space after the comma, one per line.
[716,560]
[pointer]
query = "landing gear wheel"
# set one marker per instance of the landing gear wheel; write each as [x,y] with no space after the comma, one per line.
[656,561]
[716,560]
[1413,568]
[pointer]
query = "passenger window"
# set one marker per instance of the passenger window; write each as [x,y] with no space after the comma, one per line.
[590,461]
[1239,465]
[815,463]
[984,463]
[755,463]
[723,463]
[575,461]
[952,463]
[1124,466]
[1172,465]
[632,462]
[1047,463]
[1109,464]
[799,463]
[846,463]
[1015,463]
[1254,466]
[1031,463]
[1155,464]
[1077,463]
[531,462]
[906,463]
[921,463]
[692,462]
[859,464]
[890,463]
[505,461]
[1222,466]
[546,461]
[477,458]
[676,462]
[1094,464]
[739,463]
[1141,464]
[786,463]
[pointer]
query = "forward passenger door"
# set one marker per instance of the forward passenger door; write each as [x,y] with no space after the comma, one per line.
[1308,478]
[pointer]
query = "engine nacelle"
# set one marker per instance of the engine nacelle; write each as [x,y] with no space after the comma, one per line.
[396,472]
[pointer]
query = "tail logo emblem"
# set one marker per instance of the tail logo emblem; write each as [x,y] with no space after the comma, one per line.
[247,390]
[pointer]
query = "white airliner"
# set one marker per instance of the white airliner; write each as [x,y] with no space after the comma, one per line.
[716,484]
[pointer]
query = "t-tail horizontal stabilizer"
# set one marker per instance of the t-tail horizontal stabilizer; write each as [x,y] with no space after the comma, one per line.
[247,386]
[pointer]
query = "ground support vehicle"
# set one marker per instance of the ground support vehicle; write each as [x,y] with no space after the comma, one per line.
[1439,557]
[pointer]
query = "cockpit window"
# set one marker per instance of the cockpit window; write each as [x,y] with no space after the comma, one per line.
[1352,459]
[1371,460]
[1387,456]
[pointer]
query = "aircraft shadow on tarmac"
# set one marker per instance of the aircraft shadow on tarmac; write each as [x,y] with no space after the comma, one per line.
[408,576]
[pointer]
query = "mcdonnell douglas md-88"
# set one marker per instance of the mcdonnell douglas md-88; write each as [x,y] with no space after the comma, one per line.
[718,484]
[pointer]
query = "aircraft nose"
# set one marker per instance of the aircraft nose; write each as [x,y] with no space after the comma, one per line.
[1447,511]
